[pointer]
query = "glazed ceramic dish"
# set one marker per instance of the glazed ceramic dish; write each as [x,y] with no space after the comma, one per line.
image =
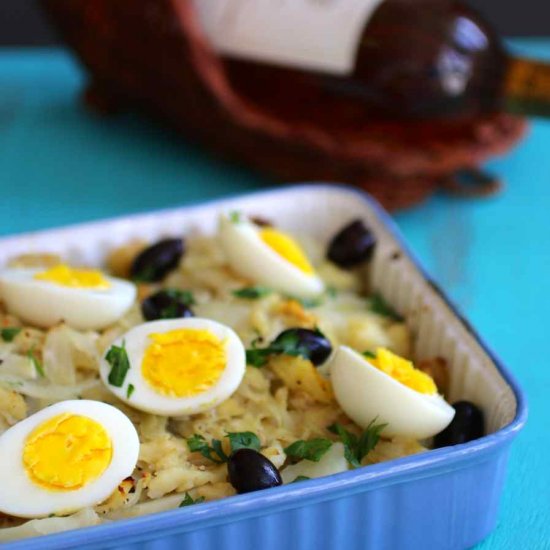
[444,498]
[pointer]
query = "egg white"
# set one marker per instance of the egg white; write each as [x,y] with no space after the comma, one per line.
[21,497]
[45,304]
[253,259]
[366,393]
[145,398]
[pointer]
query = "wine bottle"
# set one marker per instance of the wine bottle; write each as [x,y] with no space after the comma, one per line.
[345,61]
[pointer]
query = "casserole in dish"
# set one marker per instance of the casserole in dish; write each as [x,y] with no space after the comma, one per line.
[445,498]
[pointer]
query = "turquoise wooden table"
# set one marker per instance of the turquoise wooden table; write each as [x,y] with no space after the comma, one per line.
[60,165]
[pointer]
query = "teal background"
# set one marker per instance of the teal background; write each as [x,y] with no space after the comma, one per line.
[59,164]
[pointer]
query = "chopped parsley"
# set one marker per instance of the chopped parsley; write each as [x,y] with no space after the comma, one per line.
[177,298]
[300,478]
[169,312]
[257,292]
[357,448]
[377,304]
[257,357]
[244,440]
[37,364]
[145,275]
[312,450]
[197,444]
[214,452]
[252,292]
[369,355]
[120,365]
[332,292]
[130,390]
[9,333]
[288,342]
[184,296]
[235,217]
[188,500]
[309,303]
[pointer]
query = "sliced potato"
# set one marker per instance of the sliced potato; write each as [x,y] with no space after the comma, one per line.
[299,374]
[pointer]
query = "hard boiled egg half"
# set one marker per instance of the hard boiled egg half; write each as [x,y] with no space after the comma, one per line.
[268,257]
[175,367]
[389,389]
[85,299]
[66,457]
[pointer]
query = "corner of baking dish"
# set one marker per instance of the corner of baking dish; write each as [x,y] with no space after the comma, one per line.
[315,490]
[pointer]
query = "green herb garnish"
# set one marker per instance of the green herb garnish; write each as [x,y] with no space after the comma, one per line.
[197,444]
[9,333]
[369,355]
[178,297]
[252,292]
[184,296]
[234,217]
[287,343]
[188,501]
[377,304]
[146,275]
[357,448]
[37,364]
[332,291]
[308,303]
[257,357]
[300,478]
[130,390]
[120,365]
[309,450]
[215,452]
[218,449]
[244,440]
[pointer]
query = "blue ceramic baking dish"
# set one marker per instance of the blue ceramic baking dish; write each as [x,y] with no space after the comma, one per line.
[442,499]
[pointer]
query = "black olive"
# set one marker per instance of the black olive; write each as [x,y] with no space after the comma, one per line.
[166,304]
[156,261]
[250,471]
[467,425]
[352,245]
[312,344]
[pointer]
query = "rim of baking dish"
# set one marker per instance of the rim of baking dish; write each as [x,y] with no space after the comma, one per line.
[307,492]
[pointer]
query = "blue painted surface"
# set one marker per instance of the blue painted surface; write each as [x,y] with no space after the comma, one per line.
[59,165]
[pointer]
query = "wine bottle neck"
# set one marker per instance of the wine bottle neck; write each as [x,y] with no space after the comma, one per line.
[527,87]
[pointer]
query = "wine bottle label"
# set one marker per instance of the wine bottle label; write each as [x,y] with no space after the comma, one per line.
[318,35]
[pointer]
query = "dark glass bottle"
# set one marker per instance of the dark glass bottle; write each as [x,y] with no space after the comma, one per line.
[417,59]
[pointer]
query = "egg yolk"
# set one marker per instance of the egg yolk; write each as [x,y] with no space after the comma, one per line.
[287,248]
[183,362]
[403,371]
[67,452]
[64,275]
